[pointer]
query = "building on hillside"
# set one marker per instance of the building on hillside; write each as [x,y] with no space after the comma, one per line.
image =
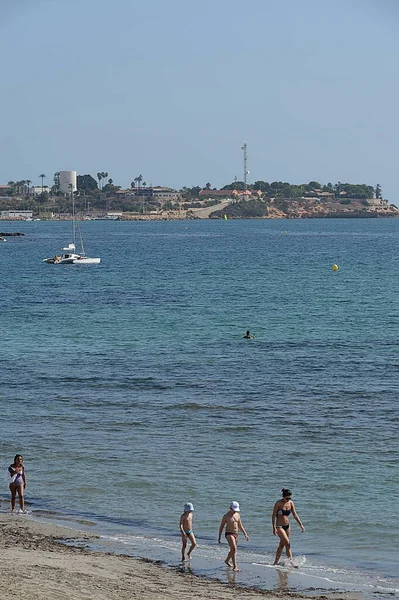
[377,202]
[226,194]
[16,214]
[327,196]
[319,195]
[68,179]
[217,194]
[157,193]
[36,190]
[152,192]
[4,189]
[164,193]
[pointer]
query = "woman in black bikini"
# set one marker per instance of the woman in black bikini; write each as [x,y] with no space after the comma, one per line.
[281,525]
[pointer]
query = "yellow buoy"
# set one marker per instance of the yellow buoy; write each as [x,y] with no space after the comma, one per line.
[335,267]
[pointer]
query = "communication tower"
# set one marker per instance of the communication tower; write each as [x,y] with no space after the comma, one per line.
[246,172]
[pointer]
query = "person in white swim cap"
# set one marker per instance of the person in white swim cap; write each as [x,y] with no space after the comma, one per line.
[186,530]
[232,522]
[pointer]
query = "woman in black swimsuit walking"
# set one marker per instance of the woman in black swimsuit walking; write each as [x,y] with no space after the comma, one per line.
[281,525]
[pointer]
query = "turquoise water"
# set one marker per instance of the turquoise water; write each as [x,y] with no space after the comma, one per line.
[129,389]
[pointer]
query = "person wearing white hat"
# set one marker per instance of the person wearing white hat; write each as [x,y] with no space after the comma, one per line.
[186,530]
[233,524]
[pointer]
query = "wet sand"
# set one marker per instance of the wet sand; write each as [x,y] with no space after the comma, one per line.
[36,564]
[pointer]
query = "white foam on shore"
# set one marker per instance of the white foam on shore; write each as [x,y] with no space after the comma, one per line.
[255,571]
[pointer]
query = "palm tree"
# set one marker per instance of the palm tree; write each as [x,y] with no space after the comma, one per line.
[28,182]
[139,179]
[100,177]
[42,177]
[17,186]
[12,186]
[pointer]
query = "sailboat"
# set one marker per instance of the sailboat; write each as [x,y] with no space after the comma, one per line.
[69,255]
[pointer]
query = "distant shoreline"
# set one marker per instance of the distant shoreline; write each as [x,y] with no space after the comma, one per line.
[177,217]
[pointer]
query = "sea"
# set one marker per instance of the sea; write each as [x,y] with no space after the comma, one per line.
[129,390]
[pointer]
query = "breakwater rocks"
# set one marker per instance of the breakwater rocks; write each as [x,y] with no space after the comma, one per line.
[15,233]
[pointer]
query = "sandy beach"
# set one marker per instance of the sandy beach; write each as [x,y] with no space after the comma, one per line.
[36,564]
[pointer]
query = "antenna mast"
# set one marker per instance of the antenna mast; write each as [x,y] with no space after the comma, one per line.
[244,148]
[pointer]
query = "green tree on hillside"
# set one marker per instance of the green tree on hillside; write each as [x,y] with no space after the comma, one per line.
[55,190]
[110,188]
[235,185]
[262,186]
[13,188]
[190,193]
[355,191]
[314,185]
[87,183]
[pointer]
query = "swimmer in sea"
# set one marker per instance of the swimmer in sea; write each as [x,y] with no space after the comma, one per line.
[186,530]
[16,473]
[248,336]
[232,522]
[281,525]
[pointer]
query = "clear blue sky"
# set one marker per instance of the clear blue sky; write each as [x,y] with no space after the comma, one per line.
[172,88]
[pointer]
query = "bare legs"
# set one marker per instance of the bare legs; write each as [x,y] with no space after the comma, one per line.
[184,539]
[284,543]
[14,489]
[232,555]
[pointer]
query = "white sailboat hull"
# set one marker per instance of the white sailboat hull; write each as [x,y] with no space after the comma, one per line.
[85,260]
[72,259]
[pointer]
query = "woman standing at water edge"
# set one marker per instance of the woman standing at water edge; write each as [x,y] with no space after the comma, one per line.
[281,525]
[16,473]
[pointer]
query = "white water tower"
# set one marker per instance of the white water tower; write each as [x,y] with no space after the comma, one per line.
[68,178]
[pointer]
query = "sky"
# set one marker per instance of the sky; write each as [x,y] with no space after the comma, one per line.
[171,89]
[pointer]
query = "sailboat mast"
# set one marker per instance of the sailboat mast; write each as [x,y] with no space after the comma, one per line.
[73,215]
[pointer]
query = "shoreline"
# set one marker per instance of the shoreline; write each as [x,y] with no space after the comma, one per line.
[339,216]
[41,559]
